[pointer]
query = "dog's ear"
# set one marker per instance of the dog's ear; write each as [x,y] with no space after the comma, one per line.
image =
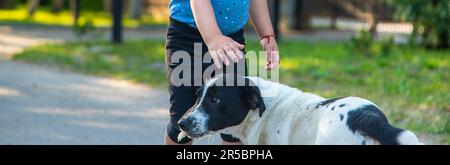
[252,96]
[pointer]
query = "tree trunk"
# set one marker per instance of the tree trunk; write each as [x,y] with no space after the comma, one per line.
[288,13]
[275,16]
[443,39]
[107,5]
[58,5]
[359,13]
[135,8]
[75,7]
[372,17]
[334,14]
[32,5]
[117,22]
[303,18]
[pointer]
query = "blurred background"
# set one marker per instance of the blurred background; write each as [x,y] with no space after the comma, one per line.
[93,72]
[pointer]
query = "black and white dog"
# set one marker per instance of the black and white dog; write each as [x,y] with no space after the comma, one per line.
[288,116]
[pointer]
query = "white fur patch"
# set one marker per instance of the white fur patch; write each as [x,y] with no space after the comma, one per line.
[408,138]
[181,135]
[208,84]
[200,121]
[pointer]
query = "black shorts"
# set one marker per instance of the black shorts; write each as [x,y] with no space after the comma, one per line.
[181,36]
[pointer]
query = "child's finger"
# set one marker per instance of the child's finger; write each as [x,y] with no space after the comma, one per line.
[216,59]
[230,53]
[237,52]
[240,46]
[269,60]
[223,57]
[232,56]
[275,59]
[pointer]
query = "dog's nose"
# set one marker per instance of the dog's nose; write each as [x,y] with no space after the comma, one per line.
[183,124]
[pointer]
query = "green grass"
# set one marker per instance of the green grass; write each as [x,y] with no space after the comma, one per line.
[411,85]
[43,16]
[139,61]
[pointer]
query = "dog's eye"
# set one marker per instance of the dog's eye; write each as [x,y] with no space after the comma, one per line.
[215,100]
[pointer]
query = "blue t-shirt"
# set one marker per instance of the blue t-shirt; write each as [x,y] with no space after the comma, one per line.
[231,15]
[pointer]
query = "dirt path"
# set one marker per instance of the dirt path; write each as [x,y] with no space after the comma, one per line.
[40,105]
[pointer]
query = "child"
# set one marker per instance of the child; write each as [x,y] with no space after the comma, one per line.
[218,26]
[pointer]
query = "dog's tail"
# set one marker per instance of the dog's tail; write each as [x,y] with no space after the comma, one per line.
[408,138]
[370,120]
[390,135]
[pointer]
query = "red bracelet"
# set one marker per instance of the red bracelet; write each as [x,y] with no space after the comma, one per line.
[268,37]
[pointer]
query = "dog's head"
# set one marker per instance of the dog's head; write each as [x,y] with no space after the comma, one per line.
[221,103]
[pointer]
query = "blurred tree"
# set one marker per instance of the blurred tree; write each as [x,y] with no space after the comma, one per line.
[303,21]
[275,14]
[32,5]
[117,22]
[107,5]
[91,5]
[134,8]
[75,7]
[334,14]
[430,18]
[372,17]
[359,12]
[6,4]
[57,5]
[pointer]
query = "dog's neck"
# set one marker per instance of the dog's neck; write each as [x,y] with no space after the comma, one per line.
[273,94]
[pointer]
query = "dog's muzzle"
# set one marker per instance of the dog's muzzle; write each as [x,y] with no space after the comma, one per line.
[194,123]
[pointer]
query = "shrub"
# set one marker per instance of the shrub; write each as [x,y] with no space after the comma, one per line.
[364,44]
[430,19]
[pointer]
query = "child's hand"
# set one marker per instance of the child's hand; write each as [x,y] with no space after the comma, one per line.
[223,48]
[269,44]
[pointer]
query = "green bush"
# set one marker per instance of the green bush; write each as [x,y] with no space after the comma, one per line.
[91,5]
[364,44]
[430,18]
[85,31]
[386,46]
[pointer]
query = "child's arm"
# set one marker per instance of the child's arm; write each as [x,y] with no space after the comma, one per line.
[259,13]
[220,46]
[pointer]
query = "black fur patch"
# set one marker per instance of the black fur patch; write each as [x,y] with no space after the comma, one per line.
[341,117]
[371,121]
[333,108]
[329,101]
[342,105]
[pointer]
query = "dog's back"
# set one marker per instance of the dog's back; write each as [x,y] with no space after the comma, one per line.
[353,120]
[311,119]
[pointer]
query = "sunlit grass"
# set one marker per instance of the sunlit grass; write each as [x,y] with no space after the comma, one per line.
[64,18]
[411,85]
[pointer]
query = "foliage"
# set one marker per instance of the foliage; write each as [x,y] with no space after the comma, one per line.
[430,19]
[364,44]
[44,16]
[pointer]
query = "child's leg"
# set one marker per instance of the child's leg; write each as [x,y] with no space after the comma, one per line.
[181,99]
[180,37]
